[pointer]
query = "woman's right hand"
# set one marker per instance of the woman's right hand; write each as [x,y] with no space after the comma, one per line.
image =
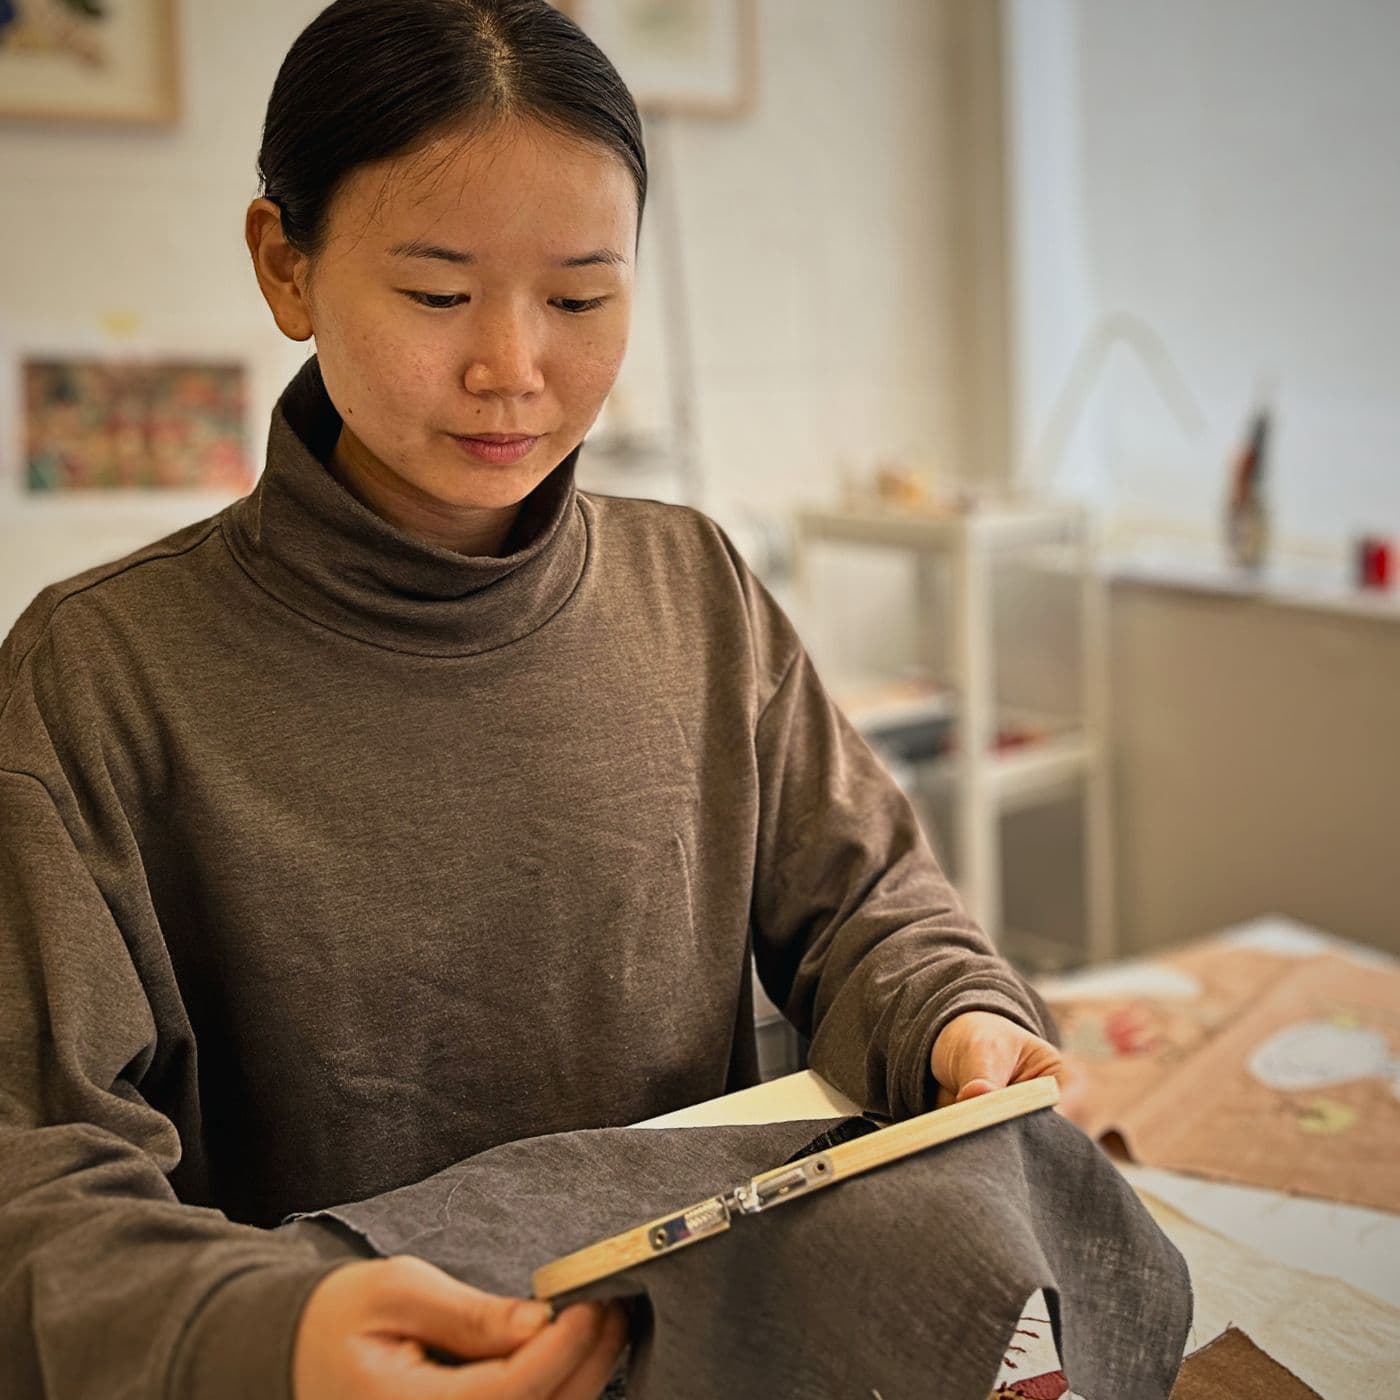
[366,1329]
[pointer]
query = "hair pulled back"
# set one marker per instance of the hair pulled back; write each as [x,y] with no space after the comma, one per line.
[370,79]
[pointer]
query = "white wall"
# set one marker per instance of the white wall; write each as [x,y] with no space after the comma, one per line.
[1230,171]
[1051,292]
[814,246]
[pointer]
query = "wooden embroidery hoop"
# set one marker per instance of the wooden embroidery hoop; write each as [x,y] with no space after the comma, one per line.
[714,1215]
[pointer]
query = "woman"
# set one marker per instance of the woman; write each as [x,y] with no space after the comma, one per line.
[420,801]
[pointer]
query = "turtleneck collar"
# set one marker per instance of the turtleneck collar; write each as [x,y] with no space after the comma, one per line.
[314,547]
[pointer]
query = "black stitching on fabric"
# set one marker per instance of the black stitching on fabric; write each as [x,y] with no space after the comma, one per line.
[835,1135]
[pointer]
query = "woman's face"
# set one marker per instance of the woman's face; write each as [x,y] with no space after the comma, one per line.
[478,287]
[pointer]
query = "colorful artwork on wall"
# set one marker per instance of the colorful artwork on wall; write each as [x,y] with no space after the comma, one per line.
[101,424]
[89,60]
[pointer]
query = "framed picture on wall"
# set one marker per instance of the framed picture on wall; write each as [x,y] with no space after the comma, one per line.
[151,421]
[691,57]
[89,60]
[134,423]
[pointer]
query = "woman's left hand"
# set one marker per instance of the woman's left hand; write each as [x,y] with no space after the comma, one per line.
[979,1051]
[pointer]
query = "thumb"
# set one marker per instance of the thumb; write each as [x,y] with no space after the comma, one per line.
[430,1306]
[973,1087]
[981,1063]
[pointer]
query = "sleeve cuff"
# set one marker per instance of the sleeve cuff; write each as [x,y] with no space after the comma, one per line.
[239,1344]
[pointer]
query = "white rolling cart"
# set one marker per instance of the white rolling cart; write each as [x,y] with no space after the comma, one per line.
[955,556]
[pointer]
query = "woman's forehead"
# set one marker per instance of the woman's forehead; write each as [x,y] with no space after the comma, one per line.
[499,188]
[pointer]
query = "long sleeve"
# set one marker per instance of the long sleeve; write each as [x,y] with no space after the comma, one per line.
[111,1288]
[859,937]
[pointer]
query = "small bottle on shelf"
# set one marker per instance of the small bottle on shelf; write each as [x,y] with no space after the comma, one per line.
[1247,514]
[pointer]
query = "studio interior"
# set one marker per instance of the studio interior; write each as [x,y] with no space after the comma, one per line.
[1011,407]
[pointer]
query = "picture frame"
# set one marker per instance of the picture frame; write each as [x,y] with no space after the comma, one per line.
[171,424]
[90,61]
[135,423]
[681,57]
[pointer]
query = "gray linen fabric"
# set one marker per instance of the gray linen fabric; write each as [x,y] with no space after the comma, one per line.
[907,1281]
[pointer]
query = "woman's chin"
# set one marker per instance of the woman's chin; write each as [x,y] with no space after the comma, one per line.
[481,487]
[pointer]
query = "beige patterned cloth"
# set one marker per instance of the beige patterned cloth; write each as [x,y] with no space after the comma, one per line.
[1130,1043]
[1277,1072]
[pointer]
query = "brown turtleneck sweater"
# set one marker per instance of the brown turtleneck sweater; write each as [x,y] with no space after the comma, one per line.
[329,857]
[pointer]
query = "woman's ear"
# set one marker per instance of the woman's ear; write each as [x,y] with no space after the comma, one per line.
[280,270]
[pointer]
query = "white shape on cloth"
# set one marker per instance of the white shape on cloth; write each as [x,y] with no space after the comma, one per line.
[1123,980]
[1319,1054]
[1288,938]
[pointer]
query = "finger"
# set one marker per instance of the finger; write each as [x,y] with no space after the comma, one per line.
[549,1358]
[419,1301]
[588,1381]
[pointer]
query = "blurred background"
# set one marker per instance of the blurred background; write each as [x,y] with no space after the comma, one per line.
[1040,354]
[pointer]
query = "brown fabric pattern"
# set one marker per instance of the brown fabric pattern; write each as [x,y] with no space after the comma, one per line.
[1233,1368]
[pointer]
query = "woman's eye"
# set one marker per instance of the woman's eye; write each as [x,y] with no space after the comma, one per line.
[445,301]
[439,301]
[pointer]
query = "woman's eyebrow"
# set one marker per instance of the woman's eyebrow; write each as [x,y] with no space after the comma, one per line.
[417,249]
[605,256]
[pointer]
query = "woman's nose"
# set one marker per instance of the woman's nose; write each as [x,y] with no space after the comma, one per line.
[504,359]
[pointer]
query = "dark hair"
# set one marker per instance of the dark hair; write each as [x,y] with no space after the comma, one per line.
[371,79]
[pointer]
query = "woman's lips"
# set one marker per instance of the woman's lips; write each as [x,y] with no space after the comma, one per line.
[497,447]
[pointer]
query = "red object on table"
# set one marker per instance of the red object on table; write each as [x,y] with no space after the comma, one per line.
[1374,559]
